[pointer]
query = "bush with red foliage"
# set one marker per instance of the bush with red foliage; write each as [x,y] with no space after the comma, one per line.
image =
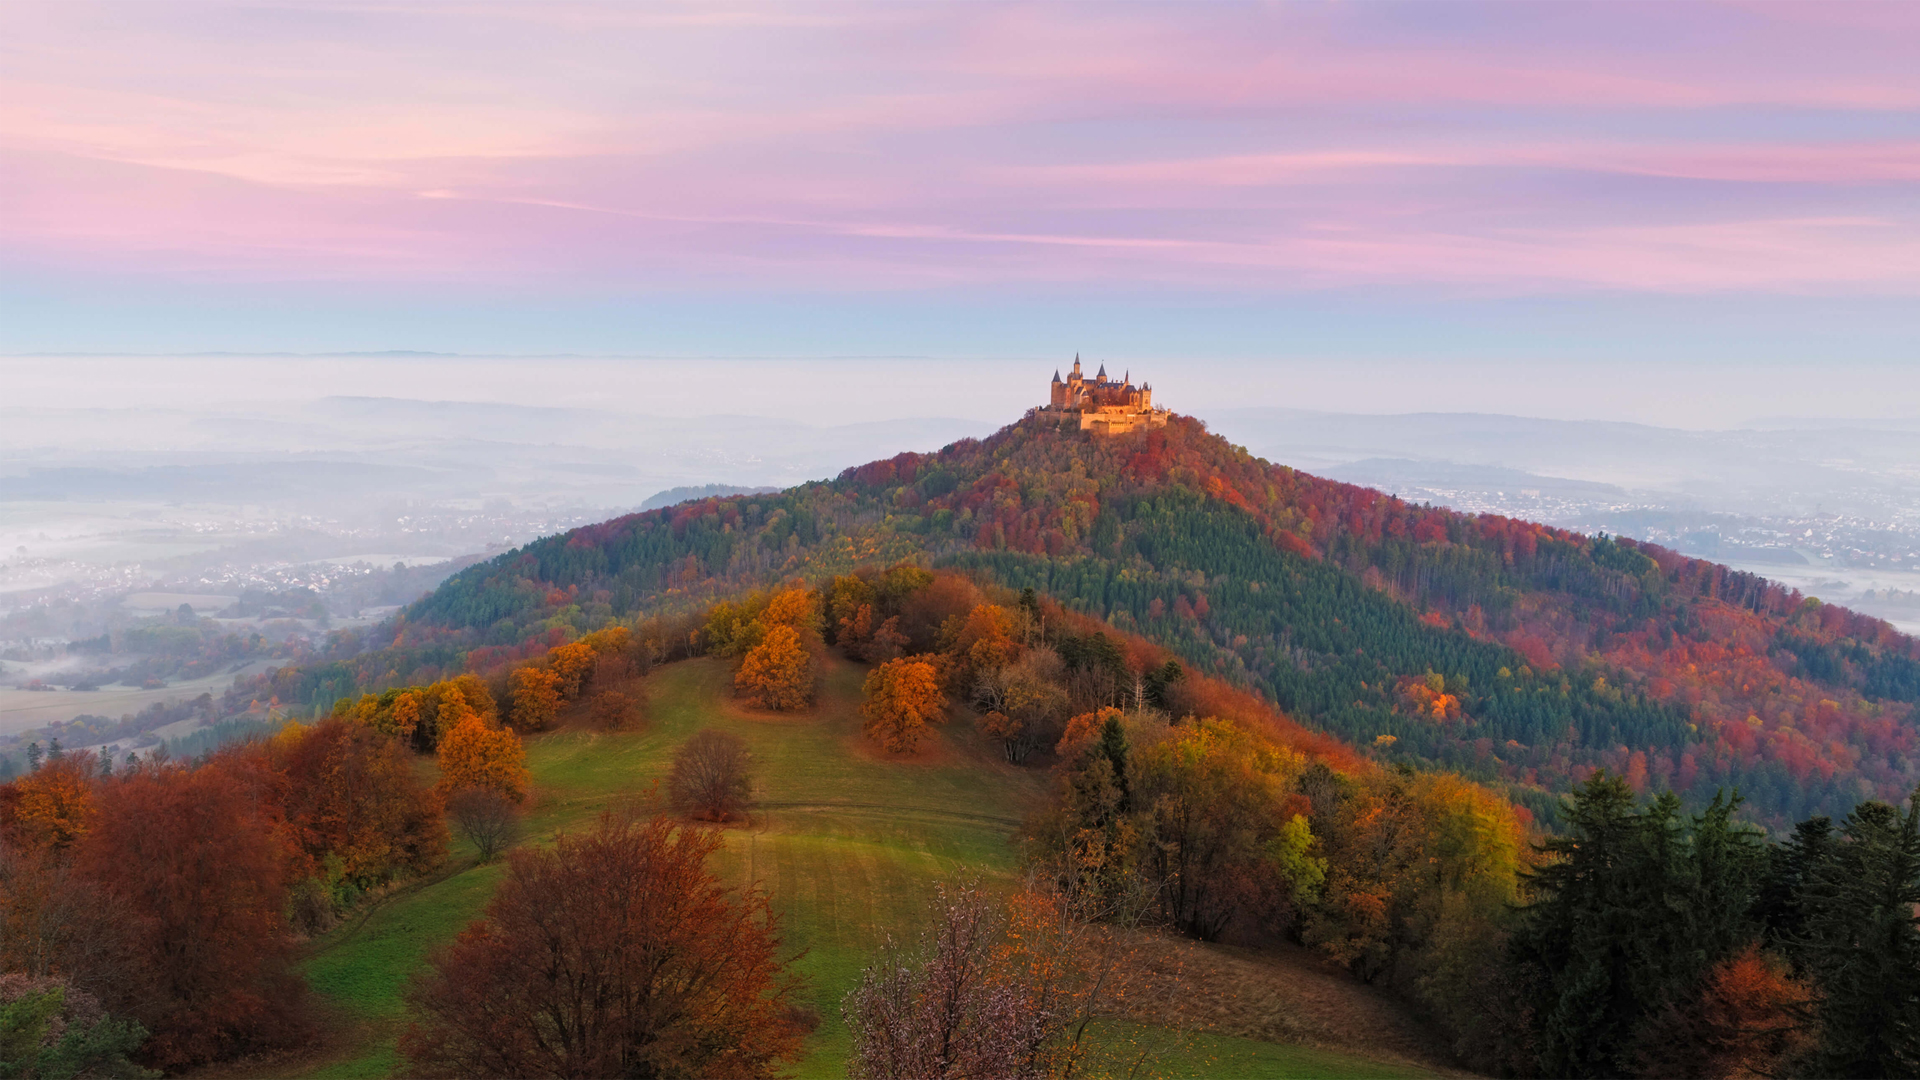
[614,953]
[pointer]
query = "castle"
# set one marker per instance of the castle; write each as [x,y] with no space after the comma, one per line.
[1103,405]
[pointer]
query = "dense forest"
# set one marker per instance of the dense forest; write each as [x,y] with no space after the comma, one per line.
[1509,650]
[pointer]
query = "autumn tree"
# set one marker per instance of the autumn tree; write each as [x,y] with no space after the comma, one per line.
[710,777]
[983,641]
[418,715]
[570,665]
[901,698]
[485,818]
[1024,702]
[474,755]
[778,672]
[798,608]
[613,710]
[352,796]
[192,859]
[54,922]
[534,698]
[1749,1018]
[614,953]
[1210,795]
[48,809]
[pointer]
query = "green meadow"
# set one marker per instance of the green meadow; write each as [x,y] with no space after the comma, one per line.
[847,843]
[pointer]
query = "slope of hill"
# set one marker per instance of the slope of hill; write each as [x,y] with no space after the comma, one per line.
[1500,647]
[848,843]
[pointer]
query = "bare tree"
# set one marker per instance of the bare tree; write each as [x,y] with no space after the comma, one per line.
[995,988]
[711,776]
[486,818]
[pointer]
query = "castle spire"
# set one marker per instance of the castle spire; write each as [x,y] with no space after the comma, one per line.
[1056,374]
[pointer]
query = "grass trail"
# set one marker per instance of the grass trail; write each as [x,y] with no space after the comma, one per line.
[846,843]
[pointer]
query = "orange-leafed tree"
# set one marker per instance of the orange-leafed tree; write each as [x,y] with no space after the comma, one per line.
[571,664]
[352,793]
[418,715]
[1749,1017]
[474,755]
[613,953]
[778,672]
[193,861]
[798,608]
[48,809]
[534,698]
[902,698]
[985,640]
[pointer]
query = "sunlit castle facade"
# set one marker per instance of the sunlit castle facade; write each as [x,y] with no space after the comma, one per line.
[1103,405]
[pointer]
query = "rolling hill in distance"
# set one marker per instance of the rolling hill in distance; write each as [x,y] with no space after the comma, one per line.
[1512,651]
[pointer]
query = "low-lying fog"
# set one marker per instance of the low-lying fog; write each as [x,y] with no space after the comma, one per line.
[290,497]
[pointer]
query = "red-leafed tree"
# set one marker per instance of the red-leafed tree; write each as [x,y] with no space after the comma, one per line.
[614,953]
[192,861]
[352,793]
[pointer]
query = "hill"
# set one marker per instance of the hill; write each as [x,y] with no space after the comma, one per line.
[672,496]
[1507,649]
[848,843]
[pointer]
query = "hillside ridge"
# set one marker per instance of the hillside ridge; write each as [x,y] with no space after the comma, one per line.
[1507,649]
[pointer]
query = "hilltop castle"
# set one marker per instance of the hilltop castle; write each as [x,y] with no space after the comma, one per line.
[1103,405]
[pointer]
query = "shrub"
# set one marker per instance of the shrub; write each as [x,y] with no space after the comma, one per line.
[48,1028]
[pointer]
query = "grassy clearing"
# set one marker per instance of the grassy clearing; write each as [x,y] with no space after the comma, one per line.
[847,844]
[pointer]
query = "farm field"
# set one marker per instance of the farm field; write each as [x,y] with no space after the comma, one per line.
[25,710]
[847,842]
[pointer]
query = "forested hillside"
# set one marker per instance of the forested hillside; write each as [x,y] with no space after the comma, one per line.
[1507,649]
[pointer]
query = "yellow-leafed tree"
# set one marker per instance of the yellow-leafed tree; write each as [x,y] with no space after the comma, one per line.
[778,672]
[902,697]
[473,755]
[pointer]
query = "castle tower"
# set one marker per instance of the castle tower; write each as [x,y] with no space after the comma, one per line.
[1103,404]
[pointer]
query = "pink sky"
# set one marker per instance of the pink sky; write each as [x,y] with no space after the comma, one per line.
[288,166]
[1671,148]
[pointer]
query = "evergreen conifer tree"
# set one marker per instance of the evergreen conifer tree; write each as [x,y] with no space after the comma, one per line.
[1634,910]
[1862,943]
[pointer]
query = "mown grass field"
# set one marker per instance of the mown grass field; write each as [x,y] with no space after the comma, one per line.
[846,842]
